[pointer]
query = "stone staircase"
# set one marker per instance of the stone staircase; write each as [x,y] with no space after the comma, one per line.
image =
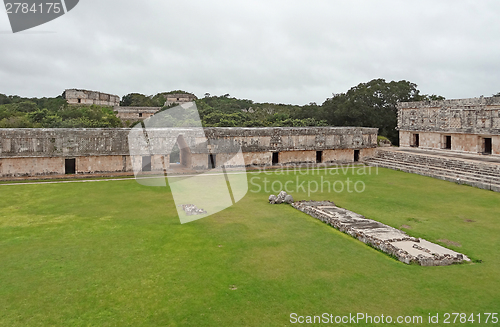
[474,173]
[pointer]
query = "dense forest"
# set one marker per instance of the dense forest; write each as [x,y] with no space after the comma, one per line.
[371,104]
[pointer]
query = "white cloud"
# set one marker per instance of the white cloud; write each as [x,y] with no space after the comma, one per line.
[268,51]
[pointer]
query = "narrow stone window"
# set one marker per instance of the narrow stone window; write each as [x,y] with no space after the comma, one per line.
[356,155]
[140,115]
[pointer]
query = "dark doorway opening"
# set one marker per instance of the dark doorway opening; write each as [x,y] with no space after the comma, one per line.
[175,154]
[140,115]
[487,145]
[79,100]
[146,163]
[319,156]
[70,166]
[212,161]
[356,155]
[448,142]
[275,158]
[416,140]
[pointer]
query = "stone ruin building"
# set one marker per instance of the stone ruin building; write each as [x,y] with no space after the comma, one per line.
[464,125]
[45,152]
[453,140]
[179,98]
[131,114]
[85,97]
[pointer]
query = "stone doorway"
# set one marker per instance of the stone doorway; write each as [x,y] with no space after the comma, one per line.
[415,141]
[319,156]
[275,158]
[146,163]
[447,142]
[212,163]
[180,155]
[487,145]
[70,166]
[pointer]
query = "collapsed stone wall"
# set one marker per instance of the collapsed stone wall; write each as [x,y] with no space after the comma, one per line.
[466,116]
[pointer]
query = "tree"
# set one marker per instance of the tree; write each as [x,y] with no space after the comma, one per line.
[136,100]
[372,104]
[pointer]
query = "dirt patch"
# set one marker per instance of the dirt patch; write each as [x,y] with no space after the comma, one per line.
[233,287]
[469,221]
[405,227]
[450,243]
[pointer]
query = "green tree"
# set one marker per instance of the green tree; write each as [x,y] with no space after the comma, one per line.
[372,104]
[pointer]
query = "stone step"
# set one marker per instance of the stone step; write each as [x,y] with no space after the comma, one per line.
[457,165]
[456,174]
[450,177]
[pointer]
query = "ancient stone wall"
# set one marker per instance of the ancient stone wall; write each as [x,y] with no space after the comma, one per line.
[75,96]
[135,113]
[179,98]
[465,116]
[464,125]
[32,152]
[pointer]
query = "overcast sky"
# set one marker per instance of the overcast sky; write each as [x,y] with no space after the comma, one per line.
[268,51]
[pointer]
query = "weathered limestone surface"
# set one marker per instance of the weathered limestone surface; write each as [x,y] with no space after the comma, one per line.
[465,116]
[463,125]
[39,142]
[388,239]
[108,150]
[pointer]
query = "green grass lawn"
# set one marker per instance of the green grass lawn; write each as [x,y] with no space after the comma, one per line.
[114,253]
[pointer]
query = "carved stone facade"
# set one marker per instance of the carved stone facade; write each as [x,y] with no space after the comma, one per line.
[38,152]
[463,125]
[85,97]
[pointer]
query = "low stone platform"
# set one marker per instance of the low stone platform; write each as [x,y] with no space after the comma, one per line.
[388,239]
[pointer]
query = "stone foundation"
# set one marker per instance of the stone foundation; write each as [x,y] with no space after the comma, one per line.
[390,240]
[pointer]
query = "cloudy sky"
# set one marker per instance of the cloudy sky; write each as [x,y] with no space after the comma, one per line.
[268,51]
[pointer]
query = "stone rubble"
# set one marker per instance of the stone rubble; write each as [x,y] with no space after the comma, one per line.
[282,197]
[390,240]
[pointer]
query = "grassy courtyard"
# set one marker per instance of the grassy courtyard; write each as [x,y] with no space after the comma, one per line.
[115,254]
